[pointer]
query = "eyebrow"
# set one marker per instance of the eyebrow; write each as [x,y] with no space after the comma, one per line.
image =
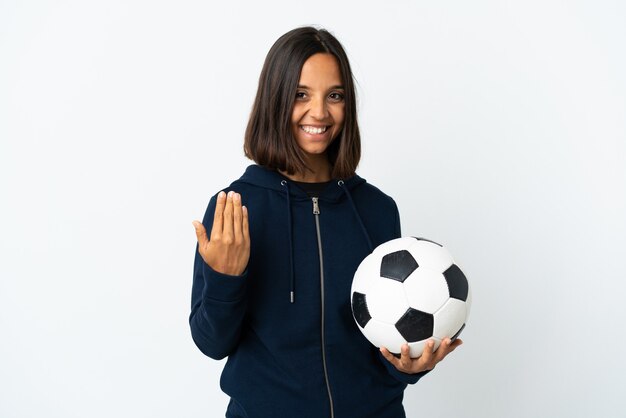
[301,86]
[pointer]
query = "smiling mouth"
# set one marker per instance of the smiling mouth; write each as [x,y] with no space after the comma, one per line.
[314,130]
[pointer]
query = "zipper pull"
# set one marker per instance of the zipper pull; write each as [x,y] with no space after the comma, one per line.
[316,207]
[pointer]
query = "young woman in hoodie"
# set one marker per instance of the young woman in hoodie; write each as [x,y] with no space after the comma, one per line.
[278,248]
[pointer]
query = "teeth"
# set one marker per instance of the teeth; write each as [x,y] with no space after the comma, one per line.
[313,130]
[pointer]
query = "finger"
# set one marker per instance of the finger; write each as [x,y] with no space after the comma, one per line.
[218,221]
[454,344]
[200,233]
[227,232]
[245,227]
[405,358]
[444,349]
[237,218]
[427,354]
[447,346]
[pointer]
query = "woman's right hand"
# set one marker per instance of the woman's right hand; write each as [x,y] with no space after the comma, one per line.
[228,250]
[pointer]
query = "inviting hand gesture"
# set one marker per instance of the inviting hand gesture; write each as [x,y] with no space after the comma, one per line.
[228,250]
[426,361]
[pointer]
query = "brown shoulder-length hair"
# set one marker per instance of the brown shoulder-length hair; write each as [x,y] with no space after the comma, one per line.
[268,139]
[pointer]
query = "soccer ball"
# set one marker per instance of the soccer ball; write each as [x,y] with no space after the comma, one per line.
[409,290]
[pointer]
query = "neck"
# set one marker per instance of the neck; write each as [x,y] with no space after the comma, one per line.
[320,172]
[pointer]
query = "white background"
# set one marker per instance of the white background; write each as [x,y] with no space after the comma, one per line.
[498,126]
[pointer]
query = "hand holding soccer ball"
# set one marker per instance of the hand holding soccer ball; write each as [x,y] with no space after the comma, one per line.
[427,361]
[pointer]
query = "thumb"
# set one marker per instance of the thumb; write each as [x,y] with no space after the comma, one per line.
[200,232]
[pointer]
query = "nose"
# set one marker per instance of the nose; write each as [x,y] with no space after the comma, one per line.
[318,109]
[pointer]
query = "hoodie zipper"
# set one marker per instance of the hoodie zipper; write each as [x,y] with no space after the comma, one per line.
[316,212]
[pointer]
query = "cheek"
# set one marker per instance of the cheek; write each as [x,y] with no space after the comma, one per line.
[340,114]
[295,126]
[340,120]
[297,113]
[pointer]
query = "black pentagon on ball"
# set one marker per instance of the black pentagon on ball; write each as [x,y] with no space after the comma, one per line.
[415,325]
[359,309]
[457,283]
[398,265]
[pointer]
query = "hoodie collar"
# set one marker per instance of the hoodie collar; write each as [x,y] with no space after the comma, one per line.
[271,179]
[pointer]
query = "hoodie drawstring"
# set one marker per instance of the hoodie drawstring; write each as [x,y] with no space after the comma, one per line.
[356,213]
[292,292]
[340,183]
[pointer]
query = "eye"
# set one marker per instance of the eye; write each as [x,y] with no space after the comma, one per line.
[336,96]
[300,95]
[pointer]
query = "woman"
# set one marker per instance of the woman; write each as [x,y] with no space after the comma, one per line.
[271,285]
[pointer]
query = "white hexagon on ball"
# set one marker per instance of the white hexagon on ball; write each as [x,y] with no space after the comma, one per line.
[430,255]
[450,318]
[380,293]
[426,290]
[416,349]
[383,335]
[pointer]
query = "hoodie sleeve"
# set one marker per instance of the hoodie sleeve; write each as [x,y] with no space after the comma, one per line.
[401,376]
[218,303]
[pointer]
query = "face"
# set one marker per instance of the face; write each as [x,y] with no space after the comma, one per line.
[319,107]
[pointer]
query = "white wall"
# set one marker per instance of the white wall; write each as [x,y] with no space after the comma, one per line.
[499,127]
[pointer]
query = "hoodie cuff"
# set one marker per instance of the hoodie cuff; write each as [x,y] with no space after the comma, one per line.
[223,287]
[408,378]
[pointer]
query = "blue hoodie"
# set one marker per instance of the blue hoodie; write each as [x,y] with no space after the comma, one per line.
[293,347]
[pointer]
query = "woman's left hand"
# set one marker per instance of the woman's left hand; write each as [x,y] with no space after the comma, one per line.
[426,361]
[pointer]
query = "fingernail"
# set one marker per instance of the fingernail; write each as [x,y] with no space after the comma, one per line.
[220,195]
[230,194]
[236,196]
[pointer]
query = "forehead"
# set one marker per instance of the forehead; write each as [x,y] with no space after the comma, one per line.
[320,69]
